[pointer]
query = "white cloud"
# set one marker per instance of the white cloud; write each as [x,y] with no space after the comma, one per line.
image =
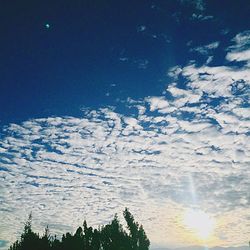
[157,103]
[206,49]
[197,4]
[183,97]
[240,51]
[174,72]
[201,17]
[191,150]
[239,56]
[97,165]
[215,81]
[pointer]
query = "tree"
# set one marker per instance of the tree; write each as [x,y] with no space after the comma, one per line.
[113,237]
[138,238]
[109,237]
[29,239]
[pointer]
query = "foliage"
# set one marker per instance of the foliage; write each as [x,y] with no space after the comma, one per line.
[109,237]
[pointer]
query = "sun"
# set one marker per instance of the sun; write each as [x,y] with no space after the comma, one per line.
[199,223]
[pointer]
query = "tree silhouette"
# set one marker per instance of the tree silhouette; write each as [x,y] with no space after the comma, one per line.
[137,236]
[29,239]
[109,237]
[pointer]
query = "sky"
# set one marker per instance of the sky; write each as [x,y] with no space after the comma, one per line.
[139,104]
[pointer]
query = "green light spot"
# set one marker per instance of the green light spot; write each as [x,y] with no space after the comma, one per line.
[47,25]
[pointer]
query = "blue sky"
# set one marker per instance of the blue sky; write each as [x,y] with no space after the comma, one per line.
[115,104]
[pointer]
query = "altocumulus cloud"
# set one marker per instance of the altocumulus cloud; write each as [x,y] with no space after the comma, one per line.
[188,150]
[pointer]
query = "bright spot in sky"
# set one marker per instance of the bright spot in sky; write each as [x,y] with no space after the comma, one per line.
[47,25]
[199,222]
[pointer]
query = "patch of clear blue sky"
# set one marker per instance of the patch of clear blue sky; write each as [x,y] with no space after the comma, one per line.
[76,61]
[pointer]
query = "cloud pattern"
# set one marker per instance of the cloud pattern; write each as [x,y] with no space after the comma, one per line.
[187,148]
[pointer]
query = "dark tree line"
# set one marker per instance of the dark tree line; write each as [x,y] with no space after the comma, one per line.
[109,237]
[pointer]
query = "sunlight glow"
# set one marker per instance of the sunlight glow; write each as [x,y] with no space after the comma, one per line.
[199,222]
